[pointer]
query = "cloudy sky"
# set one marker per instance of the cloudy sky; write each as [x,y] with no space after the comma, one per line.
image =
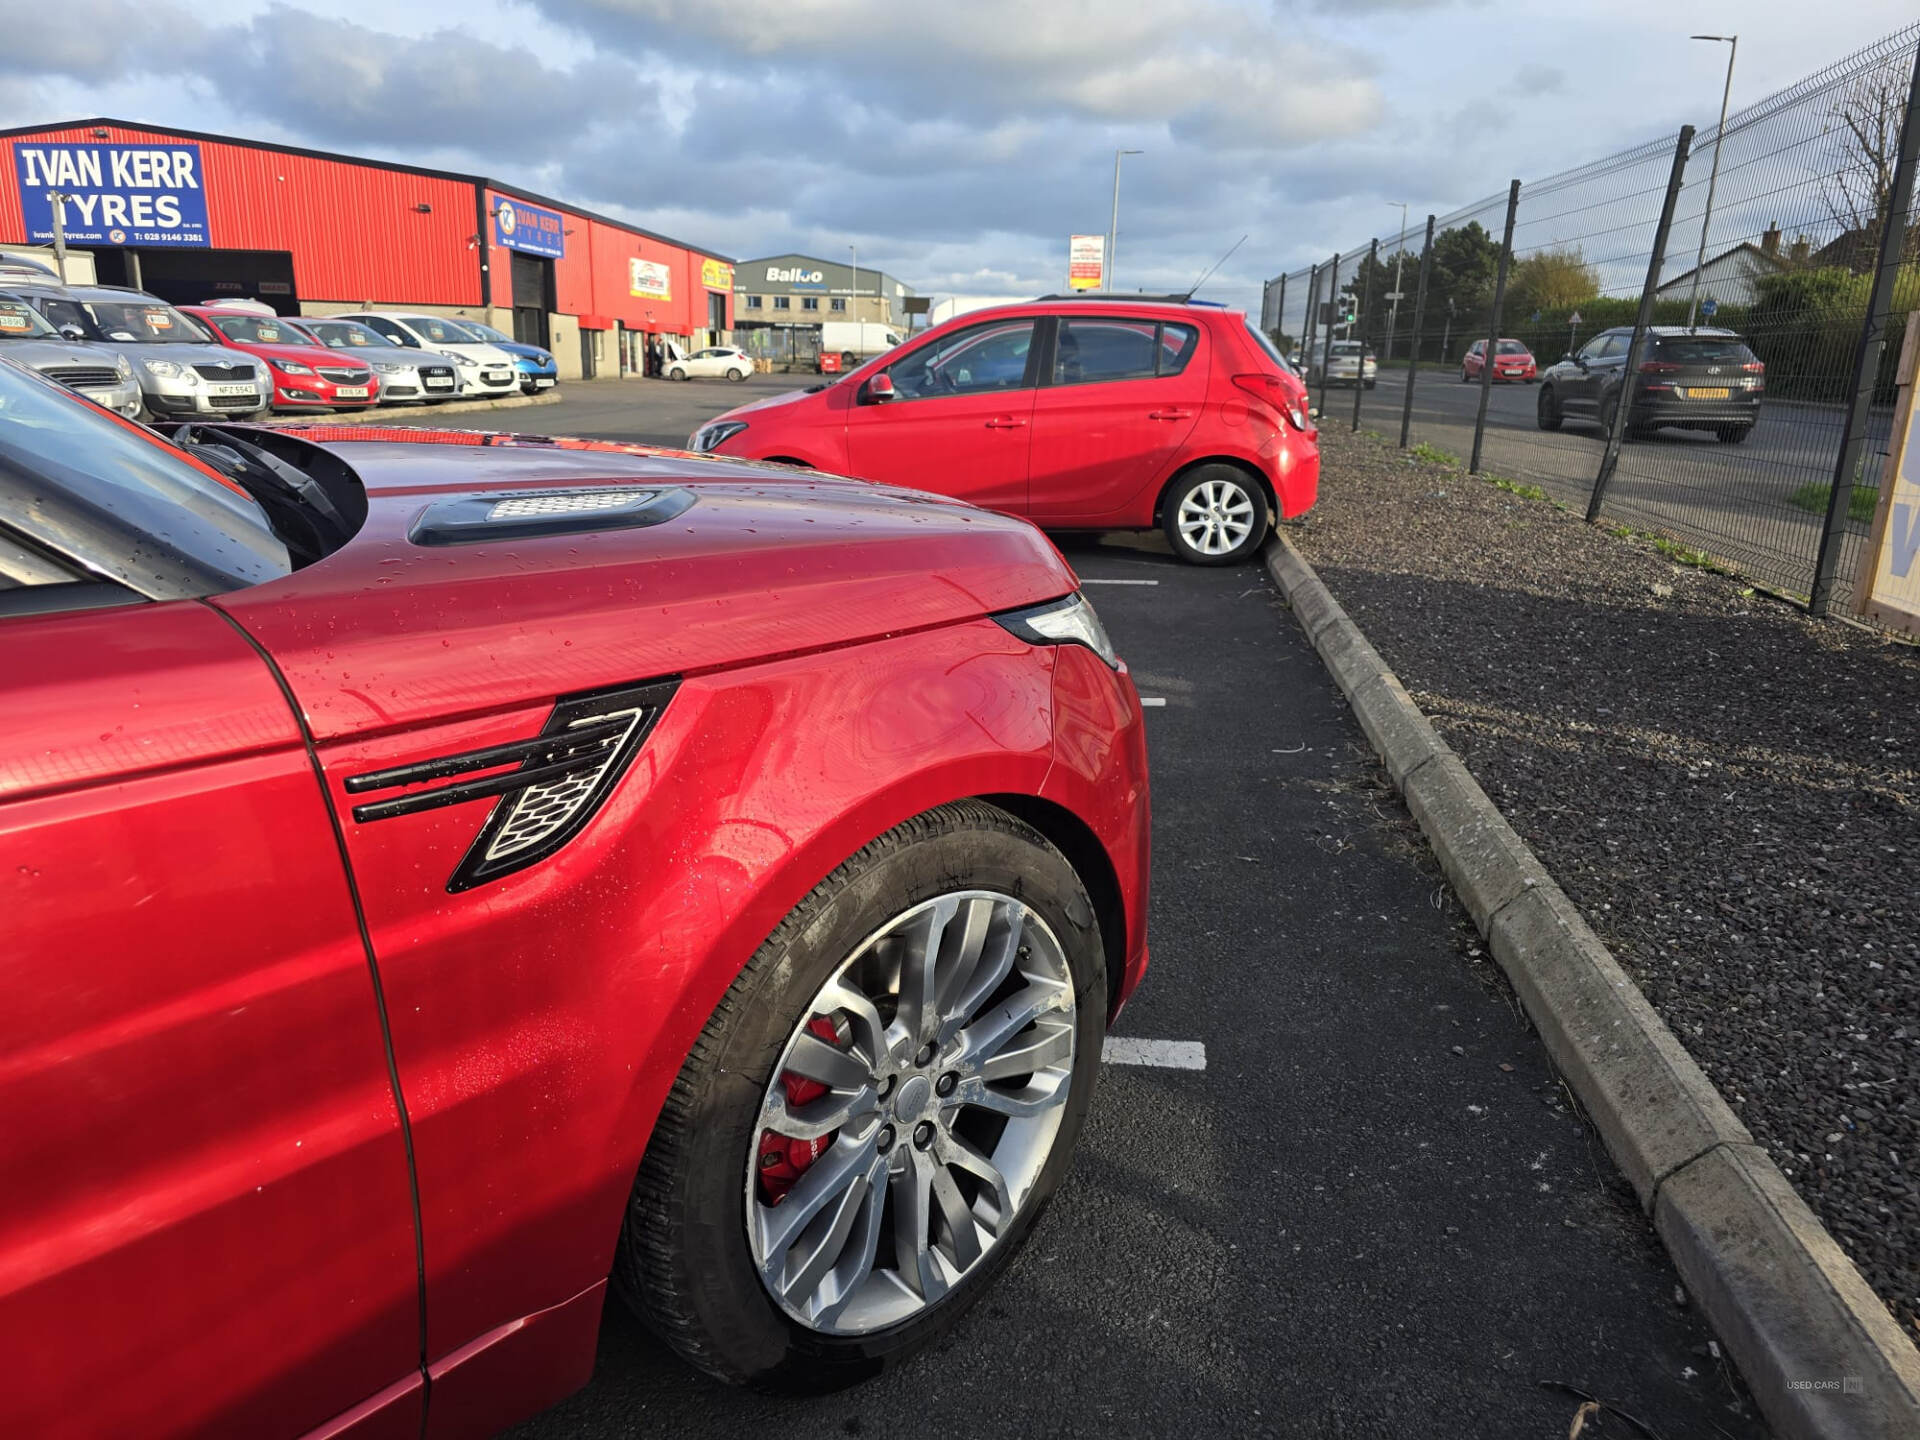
[956,144]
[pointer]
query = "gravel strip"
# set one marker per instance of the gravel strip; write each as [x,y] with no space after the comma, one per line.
[1725,788]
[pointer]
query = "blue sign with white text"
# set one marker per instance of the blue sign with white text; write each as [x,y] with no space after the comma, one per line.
[520,226]
[113,194]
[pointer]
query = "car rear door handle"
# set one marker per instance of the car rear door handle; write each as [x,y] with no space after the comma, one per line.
[1005,422]
[1169,414]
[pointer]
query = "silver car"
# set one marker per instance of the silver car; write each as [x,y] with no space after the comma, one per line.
[181,369]
[404,374]
[104,376]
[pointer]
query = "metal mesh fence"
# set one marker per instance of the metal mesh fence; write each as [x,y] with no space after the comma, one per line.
[1736,409]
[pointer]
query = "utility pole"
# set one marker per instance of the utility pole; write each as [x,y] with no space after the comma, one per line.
[1713,179]
[1399,254]
[853,304]
[58,201]
[1113,224]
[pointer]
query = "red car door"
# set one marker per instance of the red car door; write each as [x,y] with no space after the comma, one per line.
[959,420]
[206,1220]
[1123,395]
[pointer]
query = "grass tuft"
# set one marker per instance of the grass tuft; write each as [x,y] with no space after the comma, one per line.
[1433,454]
[1860,504]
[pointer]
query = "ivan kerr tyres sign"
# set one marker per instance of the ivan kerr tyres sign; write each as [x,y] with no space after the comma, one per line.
[113,194]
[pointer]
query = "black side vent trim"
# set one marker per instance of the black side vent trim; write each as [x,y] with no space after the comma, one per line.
[533,514]
[560,779]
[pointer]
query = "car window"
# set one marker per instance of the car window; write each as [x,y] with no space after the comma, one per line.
[1088,351]
[19,322]
[435,331]
[1477,347]
[1595,347]
[1616,345]
[1703,349]
[257,330]
[379,324]
[148,322]
[1511,347]
[994,356]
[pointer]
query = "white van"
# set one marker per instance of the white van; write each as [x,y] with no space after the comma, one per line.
[483,368]
[856,340]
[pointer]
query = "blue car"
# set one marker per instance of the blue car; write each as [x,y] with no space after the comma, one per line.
[536,366]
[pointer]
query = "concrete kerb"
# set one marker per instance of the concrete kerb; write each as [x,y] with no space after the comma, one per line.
[395,416]
[1821,1353]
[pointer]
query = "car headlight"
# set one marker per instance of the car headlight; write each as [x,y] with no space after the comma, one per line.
[388,367]
[711,437]
[466,360]
[122,368]
[1071,621]
[165,369]
[292,367]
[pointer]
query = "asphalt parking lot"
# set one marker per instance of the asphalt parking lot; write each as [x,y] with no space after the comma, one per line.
[1373,1212]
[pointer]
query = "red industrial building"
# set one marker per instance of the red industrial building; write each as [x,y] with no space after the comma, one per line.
[194,217]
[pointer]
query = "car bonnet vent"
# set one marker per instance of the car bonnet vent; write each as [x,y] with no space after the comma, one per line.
[534,514]
[556,782]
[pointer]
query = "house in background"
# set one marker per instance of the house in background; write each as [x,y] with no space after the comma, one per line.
[1731,277]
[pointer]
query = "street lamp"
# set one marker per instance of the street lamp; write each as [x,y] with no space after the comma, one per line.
[1399,254]
[1732,42]
[1113,225]
[853,304]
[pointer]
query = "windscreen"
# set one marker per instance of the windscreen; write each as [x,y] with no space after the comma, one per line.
[1703,349]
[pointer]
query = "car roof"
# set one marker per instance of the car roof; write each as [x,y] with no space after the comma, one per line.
[93,292]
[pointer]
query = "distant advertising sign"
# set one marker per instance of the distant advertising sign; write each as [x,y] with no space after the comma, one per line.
[1889,575]
[1086,261]
[716,275]
[520,226]
[114,194]
[649,279]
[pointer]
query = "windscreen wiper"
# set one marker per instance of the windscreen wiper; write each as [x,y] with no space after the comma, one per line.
[300,510]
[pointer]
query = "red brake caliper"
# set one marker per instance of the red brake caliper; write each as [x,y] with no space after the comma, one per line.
[783,1160]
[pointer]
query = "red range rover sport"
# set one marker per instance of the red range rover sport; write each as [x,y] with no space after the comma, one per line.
[449,874]
[1097,413]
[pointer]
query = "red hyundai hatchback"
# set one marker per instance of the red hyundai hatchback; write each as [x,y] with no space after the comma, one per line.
[1101,413]
[306,374]
[444,875]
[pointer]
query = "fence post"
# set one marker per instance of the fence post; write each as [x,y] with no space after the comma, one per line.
[1306,332]
[1623,406]
[1360,317]
[1413,346]
[1280,310]
[1333,298]
[1866,359]
[1493,334]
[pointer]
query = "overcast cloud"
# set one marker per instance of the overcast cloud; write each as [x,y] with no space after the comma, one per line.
[957,146]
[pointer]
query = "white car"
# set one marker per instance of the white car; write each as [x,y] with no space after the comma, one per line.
[484,370]
[727,362]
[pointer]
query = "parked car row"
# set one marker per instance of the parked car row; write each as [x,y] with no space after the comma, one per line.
[136,354]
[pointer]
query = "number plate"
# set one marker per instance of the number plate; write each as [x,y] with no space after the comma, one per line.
[231,390]
[439,382]
[542,384]
[351,392]
[1712,392]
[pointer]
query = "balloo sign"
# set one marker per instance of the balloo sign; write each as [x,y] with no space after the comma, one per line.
[113,194]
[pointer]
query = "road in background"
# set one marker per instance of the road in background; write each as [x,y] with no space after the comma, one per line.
[1372,1210]
[653,412]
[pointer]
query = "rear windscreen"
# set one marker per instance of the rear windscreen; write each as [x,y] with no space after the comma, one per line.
[1703,350]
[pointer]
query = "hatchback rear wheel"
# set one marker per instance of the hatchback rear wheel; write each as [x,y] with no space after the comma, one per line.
[1214,515]
[878,1111]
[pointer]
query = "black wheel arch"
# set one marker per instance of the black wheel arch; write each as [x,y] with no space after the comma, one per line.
[1069,834]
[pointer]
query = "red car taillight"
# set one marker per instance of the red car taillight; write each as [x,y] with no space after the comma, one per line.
[1657,367]
[1754,367]
[1274,390]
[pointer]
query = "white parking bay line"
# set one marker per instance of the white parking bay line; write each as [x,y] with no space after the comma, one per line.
[1149,701]
[1089,580]
[1167,1054]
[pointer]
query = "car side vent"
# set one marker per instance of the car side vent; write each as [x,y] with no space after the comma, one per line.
[558,780]
[533,514]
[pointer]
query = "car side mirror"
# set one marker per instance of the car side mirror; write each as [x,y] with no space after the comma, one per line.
[72,332]
[879,389]
[1579,360]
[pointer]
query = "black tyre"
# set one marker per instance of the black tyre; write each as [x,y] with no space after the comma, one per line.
[723,1250]
[1546,410]
[1732,434]
[676,373]
[1214,515]
[1464,377]
[1371,384]
[736,376]
[847,359]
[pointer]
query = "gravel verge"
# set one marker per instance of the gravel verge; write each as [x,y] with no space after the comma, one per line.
[1724,787]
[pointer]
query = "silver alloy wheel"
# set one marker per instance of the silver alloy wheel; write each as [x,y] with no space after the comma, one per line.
[1216,516]
[944,1094]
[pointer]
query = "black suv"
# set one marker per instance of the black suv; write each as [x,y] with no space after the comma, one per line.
[1691,379]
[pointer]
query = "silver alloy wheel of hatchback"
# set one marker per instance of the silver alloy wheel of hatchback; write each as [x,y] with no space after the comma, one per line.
[1216,517]
[944,1090]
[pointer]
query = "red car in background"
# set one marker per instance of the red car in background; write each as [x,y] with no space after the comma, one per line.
[306,374]
[1080,413]
[448,873]
[1511,361]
